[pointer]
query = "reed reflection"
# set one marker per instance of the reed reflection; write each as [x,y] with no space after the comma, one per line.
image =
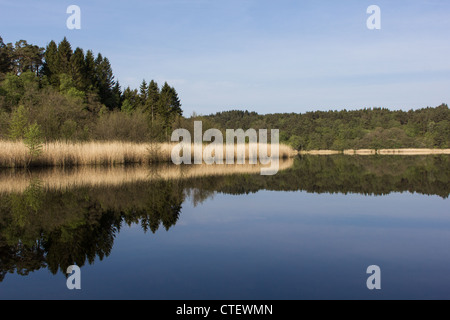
[56,218]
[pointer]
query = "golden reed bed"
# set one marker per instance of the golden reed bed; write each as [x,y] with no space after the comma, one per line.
[16,154]
[13,181]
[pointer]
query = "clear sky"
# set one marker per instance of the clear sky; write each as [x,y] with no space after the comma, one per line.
[258,55]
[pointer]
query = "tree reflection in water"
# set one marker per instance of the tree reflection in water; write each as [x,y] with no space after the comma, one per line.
[46,226]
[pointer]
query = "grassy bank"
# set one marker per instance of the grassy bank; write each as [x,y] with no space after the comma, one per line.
[15,154]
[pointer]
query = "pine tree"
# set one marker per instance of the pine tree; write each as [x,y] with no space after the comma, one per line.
[169,102]
[175,103]
[130,99]
[169,106]
[77,68]
[64,55]
[104,80]
[143,92]
[89,71]
[163,108]
[27,57]
[152,98]
[51,63]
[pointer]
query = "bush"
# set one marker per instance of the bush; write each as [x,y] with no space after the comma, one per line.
[18,124]
[33,140]
[122,126]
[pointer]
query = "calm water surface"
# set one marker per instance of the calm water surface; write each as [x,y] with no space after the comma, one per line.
[310,232]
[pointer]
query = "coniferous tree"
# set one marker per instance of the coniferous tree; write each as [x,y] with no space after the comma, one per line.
[51,63]
[169,106]
[164,101]
[77,68]
[89,71]
[104,80]
[153,99]
[143,92]
[130,99]
[175,103]
[116,101]
[64,55]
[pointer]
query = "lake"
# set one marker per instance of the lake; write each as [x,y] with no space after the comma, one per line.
[201,232]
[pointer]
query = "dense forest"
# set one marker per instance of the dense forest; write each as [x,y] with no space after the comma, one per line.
[72,95]
[373,128]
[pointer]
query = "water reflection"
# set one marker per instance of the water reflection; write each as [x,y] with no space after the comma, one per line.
[56,218]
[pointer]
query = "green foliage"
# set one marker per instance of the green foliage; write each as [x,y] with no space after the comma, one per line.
[127,106]
[18,124]
[51,64]
[123,127]
[33,140]
[4,124]
[339,130]
[6,52]
[64,56]
[67,87]
[73,95]
[14,87]
[70,94]
[68,129]
[26,57]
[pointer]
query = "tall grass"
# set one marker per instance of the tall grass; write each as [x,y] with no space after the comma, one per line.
[14,154]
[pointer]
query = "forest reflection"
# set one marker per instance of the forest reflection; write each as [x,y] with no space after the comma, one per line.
[56,218]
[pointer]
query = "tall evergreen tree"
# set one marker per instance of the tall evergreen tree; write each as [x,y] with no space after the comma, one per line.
[104,80]
[169,106]
[77,68]
[152,99]
[130,99]
[175,103]
[51,63]
[64,55]
[143,92]
[169,103]
[89,71]
[163,108]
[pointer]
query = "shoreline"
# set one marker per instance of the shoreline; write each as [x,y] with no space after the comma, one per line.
[404,152]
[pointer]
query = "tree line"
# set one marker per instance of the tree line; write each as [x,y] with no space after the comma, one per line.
[64,94]
[374,128]
[73,95]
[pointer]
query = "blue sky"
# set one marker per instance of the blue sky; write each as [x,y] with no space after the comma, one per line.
[258,55]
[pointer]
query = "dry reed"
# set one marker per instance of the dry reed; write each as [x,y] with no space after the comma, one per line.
[15,154]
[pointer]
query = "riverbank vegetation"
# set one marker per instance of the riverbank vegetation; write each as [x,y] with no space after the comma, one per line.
[67,96]
[20,154]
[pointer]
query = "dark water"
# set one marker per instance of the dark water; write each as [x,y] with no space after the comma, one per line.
[310,232]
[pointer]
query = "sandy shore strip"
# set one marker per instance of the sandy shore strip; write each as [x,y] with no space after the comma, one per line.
[406,152]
